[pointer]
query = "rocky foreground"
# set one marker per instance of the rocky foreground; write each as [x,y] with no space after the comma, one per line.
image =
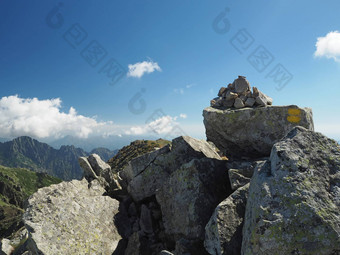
[263,183]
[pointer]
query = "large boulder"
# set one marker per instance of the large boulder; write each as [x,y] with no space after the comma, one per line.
[251,132]
[190,195]
[223,233]
[294,198]
[147,173]
[71,218]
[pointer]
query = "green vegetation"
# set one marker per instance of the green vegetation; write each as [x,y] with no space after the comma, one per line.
[16,185]
[135,149]
[25,152]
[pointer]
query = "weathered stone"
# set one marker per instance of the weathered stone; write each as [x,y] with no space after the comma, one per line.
[251,132]
[238,103]
[231,86]
[241,84]
[256,92]
[261,100]
[243,98]
[70,218]
[138,165]
[221,91]
[223,233]
[293,205]
[89,173]
[98,165]
[250,102]
[237,179]
[145,221]
[230,95]
[213,103]
[95,168]
[6,247]
[228,103]
[150,171]
[190,195]
[134,245]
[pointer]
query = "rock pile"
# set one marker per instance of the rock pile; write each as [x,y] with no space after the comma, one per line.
[186,199]
[238,95]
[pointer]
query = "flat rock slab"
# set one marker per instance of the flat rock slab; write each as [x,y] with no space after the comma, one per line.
[70,218]
[251,132]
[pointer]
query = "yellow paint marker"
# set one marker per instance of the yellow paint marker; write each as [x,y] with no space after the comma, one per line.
[294,115]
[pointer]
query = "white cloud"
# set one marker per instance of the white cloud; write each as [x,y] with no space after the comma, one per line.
[329,46]
[162,125]
[43,119]
[183,116]
[140,68]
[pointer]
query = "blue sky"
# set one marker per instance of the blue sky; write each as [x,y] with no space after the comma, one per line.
[179,53]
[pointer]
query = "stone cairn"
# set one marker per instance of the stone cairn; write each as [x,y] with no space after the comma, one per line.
[238,95]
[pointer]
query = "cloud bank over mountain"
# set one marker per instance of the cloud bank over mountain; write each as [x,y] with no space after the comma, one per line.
[45,119]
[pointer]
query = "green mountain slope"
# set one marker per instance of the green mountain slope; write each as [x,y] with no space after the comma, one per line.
[29,153]
[16,185]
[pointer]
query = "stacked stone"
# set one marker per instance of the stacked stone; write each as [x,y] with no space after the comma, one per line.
[238,95]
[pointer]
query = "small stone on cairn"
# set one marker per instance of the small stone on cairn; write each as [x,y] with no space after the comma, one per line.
[238,95]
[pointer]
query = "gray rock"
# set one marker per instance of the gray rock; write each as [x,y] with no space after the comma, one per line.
[213,103]
[189,247]
[222,91]
[237,179]
[98,165]
[238,103]
[223,233]
[89,173]
[261,100]
[145,220]
[150,171]
[190,195]
[244,98]
[230,95]
[134,245]
[70,218]
[251,132]
[293,205]
[6,247]
[250,102]
[256,92]
[95,168]
[138,165]
[241,84]
[228,103]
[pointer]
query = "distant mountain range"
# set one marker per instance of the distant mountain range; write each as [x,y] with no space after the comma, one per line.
[111,142]
[29,153]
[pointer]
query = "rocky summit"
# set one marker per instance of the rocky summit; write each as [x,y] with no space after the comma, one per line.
[263,183]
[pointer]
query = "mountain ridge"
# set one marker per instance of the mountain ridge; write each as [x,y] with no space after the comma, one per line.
[27,152]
